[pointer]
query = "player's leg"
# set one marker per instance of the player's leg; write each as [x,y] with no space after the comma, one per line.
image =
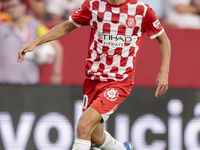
[90,127]
[88,121]
[98,136]
[106,103]
[103,140]
[112,144]
[100,100]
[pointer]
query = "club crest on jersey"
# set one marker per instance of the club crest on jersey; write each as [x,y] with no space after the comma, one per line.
[111,94]
[130,22]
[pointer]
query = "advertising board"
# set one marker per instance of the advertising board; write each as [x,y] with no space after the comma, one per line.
[45,117]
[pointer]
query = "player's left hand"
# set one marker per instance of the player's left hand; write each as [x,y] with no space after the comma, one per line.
[162,84]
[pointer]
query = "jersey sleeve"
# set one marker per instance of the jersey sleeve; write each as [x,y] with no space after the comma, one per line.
[82,16]
[151,24]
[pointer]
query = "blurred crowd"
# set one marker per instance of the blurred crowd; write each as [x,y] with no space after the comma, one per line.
[21,24]
[177,13]
[174,13]
[48,10]
[21,21]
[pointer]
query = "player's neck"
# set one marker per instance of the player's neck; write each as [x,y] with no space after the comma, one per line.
[116,2]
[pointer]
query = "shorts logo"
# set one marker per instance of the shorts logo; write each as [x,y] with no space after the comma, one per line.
[102,103]
[130,22]
[111,94]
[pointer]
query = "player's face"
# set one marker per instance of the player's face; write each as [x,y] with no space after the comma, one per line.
[15,9]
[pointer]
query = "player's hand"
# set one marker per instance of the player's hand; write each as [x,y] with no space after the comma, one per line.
[24,49]
[162,84]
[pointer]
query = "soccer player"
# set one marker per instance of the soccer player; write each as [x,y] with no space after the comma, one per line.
[117,30]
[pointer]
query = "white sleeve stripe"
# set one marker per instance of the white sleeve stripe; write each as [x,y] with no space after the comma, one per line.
[155,35]
[72,21]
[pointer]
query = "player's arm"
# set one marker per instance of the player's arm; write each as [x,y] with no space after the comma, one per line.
[53,34]
[165,53]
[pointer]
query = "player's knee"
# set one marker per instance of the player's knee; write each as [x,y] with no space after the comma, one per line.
[83,127]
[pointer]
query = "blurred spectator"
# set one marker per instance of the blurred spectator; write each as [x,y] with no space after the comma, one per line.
[59,10]
[1,4]
[3,15]
[34,7]
[15,33]
[183,13]
[37,7]
[157,6]
[196,3]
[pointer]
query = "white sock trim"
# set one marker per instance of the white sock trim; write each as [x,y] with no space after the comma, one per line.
[107,140]
[80,144]
[111,143]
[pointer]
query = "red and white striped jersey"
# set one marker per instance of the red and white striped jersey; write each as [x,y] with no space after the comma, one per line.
[116,35]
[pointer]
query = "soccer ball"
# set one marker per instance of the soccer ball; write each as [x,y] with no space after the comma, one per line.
[45,54]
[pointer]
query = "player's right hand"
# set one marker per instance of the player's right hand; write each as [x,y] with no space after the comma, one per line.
[162,83]
[24,49]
